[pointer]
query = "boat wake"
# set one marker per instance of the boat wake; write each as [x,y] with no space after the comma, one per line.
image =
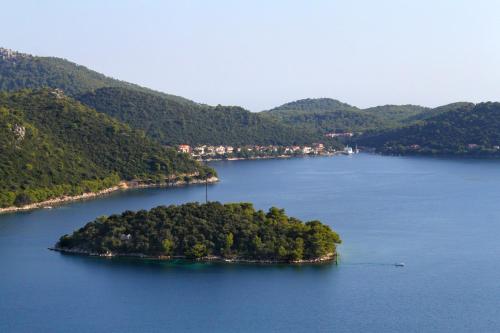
[397,264]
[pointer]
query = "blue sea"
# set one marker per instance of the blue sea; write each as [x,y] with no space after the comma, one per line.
[441,217]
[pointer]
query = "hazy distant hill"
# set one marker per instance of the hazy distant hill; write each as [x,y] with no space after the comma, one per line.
[52,145]
[459,128]
[172,122]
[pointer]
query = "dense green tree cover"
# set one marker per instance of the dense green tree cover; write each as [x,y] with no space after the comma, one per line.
[193,230]
[171,122]
[174,120]
[330,115]
[20,71]
[167,118]
[396,115]
[460,128]
[52,145]
[430,113]
[313,104]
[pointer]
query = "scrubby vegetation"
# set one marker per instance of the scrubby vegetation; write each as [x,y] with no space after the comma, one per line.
[51,145]
[233,231]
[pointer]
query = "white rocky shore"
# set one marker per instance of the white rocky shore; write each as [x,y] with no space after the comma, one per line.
[124,185]
[330,257]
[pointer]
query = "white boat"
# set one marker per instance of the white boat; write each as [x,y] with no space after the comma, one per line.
[348,150]
[399,264]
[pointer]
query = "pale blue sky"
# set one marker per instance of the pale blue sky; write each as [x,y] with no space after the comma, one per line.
[263,53]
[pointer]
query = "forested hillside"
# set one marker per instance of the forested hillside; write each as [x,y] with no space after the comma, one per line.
[460,128]
[167,118]
[329,115]
[171,122]
[52,145]
[21,71]
[429,113]
[396,115]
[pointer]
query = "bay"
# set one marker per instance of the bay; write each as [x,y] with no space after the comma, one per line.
[441,217]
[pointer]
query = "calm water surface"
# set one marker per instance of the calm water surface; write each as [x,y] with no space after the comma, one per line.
[441,217]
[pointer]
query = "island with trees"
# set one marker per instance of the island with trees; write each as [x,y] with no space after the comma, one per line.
[233,232]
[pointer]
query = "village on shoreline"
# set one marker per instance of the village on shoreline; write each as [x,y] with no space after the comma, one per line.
[223,152]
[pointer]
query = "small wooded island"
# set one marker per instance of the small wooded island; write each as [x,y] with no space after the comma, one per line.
[233,232]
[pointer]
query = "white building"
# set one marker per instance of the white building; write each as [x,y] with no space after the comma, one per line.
[220,150]
[307,150]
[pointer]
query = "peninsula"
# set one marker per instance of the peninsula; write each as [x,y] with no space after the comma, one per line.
[233,232]
[54,150]
[173,181]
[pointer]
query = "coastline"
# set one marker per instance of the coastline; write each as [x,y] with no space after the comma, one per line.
[330,257]
[473,154]
[268,157]
[123,185]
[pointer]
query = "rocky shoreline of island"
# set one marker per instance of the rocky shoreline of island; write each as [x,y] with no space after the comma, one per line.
[123,185]
[330,257]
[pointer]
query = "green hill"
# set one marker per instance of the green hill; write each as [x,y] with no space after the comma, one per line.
[313,105]
[24,71]
[330,115]
[172,122]
[52,145]
[395,115]
[167,118]
[429,113]
[458,129]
